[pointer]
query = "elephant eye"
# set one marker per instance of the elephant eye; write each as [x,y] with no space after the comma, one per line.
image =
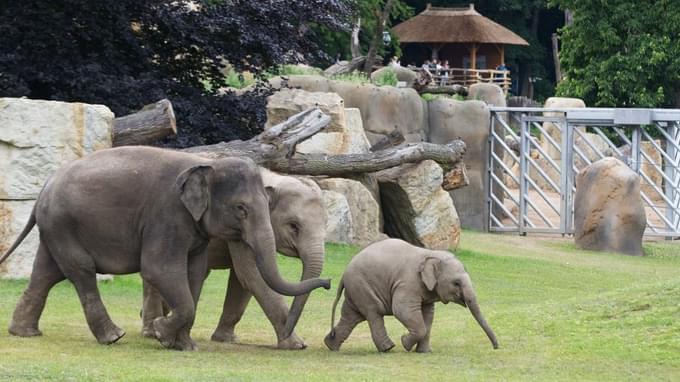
[456,283]
[296,228]
[242,211]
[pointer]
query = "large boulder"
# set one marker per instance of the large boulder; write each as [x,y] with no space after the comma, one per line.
[416,208]
[403,74]
[608,211]
[383,108]
[37,137]
[339,227]
[490,93]
[344,135]
[553,130]
[363,225]
[468,120]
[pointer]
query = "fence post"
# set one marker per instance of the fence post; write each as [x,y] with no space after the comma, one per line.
[524,149]
[671,171]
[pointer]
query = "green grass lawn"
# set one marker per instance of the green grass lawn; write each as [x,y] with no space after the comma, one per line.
[559,314]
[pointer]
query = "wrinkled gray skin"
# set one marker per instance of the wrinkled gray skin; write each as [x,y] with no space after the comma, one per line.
[148,210]
[298,218]
[393,277]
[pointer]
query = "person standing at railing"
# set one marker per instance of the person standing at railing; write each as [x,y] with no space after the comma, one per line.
[444,73]
[502,68]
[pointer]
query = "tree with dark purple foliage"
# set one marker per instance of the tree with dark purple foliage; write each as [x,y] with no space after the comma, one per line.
[128,53]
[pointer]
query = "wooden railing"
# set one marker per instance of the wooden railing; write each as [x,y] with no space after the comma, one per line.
[467,77]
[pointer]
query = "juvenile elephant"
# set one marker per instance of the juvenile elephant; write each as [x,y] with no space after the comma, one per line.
[393,277]
[298,218]
[133,209]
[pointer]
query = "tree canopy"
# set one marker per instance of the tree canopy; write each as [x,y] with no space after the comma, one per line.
[128,53]
[622,53]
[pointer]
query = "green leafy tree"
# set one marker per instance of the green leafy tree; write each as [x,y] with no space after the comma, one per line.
[622,53]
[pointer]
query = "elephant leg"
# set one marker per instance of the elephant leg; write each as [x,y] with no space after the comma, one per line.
[27,314]
[172,282]
[198,266]
[235,303]
[349,319]
[428,315]
[381,340]
[152,308]
[272,303]
[411,316]
[79,267]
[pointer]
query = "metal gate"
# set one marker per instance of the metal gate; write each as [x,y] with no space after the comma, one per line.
[535,155]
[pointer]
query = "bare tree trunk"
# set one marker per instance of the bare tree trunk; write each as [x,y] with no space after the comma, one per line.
[275,149]
[354,41]
[377,37]
[153,122]
[556,58]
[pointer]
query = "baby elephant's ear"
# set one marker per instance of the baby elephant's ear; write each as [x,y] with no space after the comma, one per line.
[429,269]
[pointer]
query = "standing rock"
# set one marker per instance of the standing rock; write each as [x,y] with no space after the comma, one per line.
[608,211]
[364,211]
[36,138]
[403,74]
[469,120]
[416,208]
[553,130]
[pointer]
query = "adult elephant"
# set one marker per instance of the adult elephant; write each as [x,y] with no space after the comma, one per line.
[298,218]
[133,209]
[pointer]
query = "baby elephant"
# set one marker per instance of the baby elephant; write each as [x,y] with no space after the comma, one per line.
[393,277]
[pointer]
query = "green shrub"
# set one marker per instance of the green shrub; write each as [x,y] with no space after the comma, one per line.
[430,97]
[354,77]
[292,70]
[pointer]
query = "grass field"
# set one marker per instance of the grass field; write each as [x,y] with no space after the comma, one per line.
[559,314]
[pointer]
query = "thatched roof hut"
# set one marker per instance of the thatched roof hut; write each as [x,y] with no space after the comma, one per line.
[456,33]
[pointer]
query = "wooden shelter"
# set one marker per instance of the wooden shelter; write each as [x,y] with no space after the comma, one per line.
[470,42]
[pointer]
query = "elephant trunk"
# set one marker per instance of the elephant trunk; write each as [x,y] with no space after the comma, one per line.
[265,258]
[312,266]
[471,303]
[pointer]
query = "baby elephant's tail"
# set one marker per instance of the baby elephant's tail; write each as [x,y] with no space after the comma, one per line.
[29,226]
[341,286]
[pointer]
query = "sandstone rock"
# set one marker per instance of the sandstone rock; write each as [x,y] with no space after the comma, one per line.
[13,217]
[553,130]
[37,137]
[608,212]
[491,94]
[383,108]
[339,218]
[469,120]
[364,210]
[416,208]
[403,74]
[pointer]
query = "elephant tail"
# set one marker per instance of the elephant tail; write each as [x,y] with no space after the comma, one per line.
[29,226]
[341,286]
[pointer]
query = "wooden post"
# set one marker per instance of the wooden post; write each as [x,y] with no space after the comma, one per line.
[473,57]
[503,54]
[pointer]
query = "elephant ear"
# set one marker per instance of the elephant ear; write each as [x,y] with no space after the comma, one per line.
[194,190]
[272,196]
[429,269]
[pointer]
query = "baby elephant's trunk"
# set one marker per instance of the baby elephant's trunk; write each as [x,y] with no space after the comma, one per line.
[477,314]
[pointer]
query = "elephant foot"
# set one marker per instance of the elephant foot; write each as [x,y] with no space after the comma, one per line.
[24,331]
[408,342]
[172,340]
[293,342]
[147,331]
[330,342]
[110,335]
[224,336]
[423,348]
[385,346]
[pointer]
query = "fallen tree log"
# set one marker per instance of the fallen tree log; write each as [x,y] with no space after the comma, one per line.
[448,90]
[275,150]
[390,140]
[151,123]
